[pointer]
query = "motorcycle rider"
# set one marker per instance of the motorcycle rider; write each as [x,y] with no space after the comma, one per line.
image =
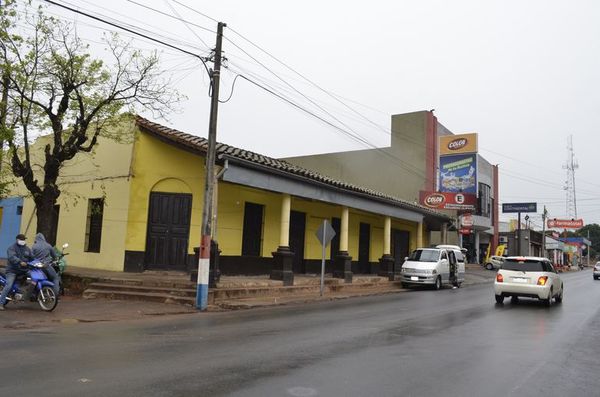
[17,255]
[45,253]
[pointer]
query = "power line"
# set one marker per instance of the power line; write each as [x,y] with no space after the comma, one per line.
[203,60]
[194,10]
[349,134]
[155,28]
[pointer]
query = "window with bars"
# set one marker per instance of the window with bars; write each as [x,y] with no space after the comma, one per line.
[93,234]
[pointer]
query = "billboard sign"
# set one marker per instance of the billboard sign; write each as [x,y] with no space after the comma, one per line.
[519,207]
[565,223]
[458,174]
[466,220]
[457,144]
[448,201]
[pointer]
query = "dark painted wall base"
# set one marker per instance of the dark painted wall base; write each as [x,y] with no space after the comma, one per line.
[313,266]
[241,265]
[245,265]
[134,261]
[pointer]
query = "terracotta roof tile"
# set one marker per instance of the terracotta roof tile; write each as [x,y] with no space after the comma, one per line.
[200,145]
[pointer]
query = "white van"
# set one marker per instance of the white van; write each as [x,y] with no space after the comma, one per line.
[435,267]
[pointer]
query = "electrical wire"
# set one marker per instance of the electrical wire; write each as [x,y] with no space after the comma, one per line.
[354,134]
[130,31]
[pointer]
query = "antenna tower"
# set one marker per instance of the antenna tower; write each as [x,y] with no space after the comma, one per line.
[571,165]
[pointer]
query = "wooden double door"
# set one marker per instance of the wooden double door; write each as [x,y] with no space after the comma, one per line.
[168,231]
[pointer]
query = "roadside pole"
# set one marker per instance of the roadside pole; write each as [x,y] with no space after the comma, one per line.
[323,257]
[207,209]
[325,233]
[519,237]
[544,232]
[589,248]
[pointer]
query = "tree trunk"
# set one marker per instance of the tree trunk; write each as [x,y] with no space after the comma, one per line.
[46,217]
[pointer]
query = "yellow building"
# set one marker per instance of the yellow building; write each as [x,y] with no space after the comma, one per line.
[136,205]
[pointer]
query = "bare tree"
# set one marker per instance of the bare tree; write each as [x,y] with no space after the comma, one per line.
[54,86]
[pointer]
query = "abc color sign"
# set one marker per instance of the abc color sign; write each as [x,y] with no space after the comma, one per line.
[457,144]
[448,201]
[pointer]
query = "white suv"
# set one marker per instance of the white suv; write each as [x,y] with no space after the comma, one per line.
[528,277]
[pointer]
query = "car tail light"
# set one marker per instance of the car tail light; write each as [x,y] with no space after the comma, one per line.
[499,278]
[542,280]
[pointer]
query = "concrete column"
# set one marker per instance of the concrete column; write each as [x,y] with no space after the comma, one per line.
[344,230]
[476,247]
[387,236]
[387,265]
[342,265]
[420,235]
[283,257]
[444,233]
[284,231]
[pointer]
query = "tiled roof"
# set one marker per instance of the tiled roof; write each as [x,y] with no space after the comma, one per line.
[200,145]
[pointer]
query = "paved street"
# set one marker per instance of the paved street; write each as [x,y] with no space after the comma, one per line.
[422,343]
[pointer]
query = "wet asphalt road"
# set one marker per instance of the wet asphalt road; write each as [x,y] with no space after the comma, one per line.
[421,343]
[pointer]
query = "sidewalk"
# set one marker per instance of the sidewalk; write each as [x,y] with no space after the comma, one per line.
[73,309]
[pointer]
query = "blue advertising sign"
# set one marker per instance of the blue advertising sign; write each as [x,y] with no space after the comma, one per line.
[519,207]
[458,173]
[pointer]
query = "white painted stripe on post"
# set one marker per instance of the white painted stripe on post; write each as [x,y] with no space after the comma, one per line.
[203,266]
[202,288]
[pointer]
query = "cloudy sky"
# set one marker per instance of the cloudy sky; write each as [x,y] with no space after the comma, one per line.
[523,74]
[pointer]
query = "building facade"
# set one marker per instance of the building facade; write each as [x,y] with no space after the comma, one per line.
[136,205]
[411,164]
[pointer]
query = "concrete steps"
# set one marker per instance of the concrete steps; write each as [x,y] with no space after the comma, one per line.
[159,297]
[181,291]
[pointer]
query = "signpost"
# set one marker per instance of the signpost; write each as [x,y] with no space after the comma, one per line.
[565,223]
[518,208]
[325,234]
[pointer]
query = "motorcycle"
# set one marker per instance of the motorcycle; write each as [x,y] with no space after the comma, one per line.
[60,264]
[33,286]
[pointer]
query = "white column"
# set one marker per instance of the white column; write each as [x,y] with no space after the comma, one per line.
[284,232]
[387,236]
[344,230]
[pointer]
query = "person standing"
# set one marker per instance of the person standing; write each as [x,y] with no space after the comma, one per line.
[45,253]
[17,255]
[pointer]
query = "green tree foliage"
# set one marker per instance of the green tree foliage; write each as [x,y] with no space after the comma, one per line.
[54,86]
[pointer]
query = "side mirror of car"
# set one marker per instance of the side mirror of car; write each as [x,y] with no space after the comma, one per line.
[406,258]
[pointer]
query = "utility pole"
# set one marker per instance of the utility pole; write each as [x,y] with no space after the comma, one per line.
[204,260]
[589,248]
[544,214]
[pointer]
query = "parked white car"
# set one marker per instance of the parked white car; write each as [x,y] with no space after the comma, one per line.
[494,262]
[529,277]
[434,267]
[597,271]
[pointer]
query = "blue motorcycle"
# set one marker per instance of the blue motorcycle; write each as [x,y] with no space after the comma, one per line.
[33,286]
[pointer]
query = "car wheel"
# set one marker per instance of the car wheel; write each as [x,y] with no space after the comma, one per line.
[438,283]
[514,299]
[548,302]
[499,299]
[595,278]
[489,266]
[559,298]
[404,285]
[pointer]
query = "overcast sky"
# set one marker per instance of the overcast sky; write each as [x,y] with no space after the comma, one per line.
[523,74]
